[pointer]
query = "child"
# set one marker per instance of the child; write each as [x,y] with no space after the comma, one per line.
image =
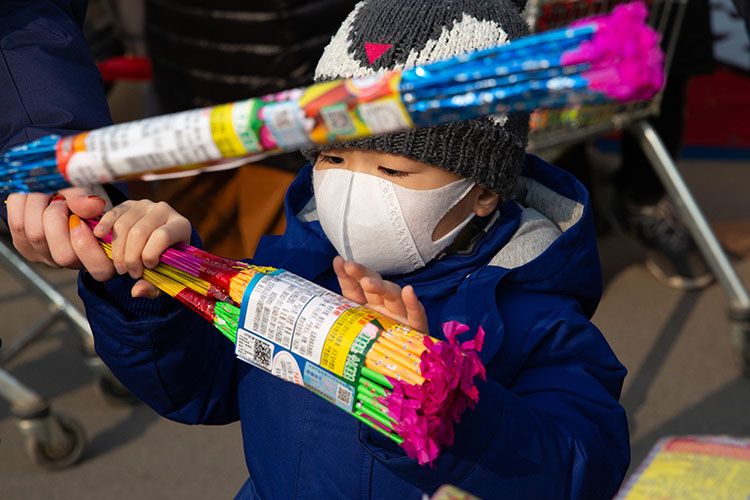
[461,234]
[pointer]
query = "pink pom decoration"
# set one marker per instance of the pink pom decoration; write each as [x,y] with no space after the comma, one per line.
[626,60]
[426,414]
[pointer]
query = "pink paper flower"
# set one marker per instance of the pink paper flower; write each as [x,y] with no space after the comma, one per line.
[427,413]
[626,60]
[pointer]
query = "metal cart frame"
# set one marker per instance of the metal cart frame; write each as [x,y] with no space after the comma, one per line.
[53,441]
[575,124]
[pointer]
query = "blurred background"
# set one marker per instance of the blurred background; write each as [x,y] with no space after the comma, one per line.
[685,376]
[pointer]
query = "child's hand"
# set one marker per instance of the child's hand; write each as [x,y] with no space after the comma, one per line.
[368,288]
[141,231]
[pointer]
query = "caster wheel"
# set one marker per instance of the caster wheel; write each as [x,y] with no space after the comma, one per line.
[114,392]
[52,459]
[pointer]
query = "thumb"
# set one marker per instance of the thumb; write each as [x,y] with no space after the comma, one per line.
[144,289]
[86,202]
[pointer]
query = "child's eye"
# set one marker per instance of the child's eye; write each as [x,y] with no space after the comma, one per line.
[393,173]
[334,160]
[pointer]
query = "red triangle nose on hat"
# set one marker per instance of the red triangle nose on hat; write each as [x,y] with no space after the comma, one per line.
[376,50]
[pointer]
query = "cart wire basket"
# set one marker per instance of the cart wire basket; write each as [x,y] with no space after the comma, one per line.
[555,127]
[573,124]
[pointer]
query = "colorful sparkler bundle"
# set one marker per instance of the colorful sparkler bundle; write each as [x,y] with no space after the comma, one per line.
[400,382]
[612,57]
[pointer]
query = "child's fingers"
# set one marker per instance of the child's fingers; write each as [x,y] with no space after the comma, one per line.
[120,232]
[175,230]
[350,287]
[87,248]
[390,294]
[104,226]
[358,271]
[138,237]
[144,289]
[415,312]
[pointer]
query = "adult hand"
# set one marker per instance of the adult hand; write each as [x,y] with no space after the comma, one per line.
[39,223]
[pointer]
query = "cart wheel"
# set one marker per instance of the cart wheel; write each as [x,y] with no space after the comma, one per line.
[114,392]
[52,459]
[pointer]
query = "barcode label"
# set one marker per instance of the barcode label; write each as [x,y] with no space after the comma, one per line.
[286,122]
[384,116]
[338,120]
[344,397]
[254,350]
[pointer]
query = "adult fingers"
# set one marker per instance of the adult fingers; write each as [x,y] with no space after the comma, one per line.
[86,202]
[89,252]
[175,230]
[350,287]
[144,289]
[56,229]
[15,205]
[33,222]
[416,316]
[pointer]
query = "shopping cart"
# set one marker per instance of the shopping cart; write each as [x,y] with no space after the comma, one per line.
[552,129]
[53,441]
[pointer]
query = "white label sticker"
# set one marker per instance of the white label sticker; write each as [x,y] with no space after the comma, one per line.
[383,116]
[86,168]
[293,313]
[166,141]
[286,367]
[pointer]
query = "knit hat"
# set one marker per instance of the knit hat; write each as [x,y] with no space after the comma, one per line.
[381,35]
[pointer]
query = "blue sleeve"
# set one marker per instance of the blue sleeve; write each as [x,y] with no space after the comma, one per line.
[48,81]
[555,430]
[169,357]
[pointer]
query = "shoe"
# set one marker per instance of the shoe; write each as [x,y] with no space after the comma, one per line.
[672,256]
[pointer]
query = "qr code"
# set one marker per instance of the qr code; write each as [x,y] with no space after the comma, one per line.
[383,116]
[337,119]
[286,122]
[254,350]
[263,354]
[344,397]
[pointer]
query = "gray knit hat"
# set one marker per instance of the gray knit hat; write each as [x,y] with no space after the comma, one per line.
[384,35]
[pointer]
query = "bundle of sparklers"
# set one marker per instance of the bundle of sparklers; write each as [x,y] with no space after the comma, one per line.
[404,384]
[604,58]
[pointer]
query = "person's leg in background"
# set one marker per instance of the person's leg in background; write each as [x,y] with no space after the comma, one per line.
[644,207]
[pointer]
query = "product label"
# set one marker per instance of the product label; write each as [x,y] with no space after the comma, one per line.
[287,124]
[196,138]
[306,334]
[347,109]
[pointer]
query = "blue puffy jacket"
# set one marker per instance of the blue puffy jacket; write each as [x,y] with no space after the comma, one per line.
[48,81]
[548,424]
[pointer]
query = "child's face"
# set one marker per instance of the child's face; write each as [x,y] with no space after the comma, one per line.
[411,174]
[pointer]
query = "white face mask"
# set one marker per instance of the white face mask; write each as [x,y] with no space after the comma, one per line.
[381,225]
